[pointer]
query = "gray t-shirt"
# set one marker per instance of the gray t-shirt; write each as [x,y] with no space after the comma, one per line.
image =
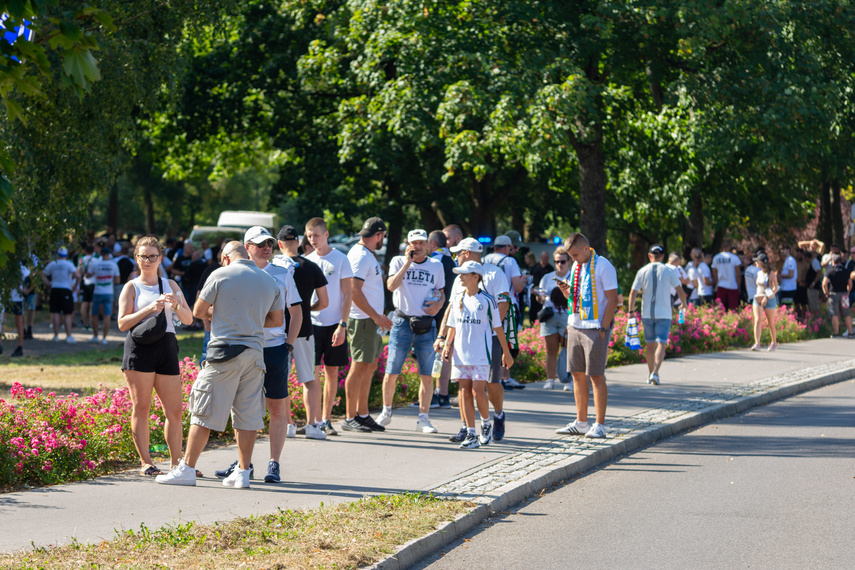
[242,295]
[655,280]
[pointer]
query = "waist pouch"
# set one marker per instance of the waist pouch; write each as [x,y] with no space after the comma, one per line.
[222,352]
[419,325]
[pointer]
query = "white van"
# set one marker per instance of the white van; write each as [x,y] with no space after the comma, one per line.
[244,219]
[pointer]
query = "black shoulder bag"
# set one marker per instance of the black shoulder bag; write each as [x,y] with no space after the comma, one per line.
[151,329]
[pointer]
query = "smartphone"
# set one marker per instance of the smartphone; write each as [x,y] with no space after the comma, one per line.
[411,254]
[565,281]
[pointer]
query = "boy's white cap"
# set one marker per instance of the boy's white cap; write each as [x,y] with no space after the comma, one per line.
[470,267]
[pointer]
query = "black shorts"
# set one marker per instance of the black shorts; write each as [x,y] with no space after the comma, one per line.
[801,297]
[332,355]
[61,301]
[786,297]
[160,357]
[87,292]
[15,307]
[277,360]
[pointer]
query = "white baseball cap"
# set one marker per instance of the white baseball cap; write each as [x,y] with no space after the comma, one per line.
[503,241]
[470,267]
[468,244]
[417,235]
[257,235]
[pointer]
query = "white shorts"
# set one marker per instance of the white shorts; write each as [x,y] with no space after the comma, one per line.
[304,359]
[479,372]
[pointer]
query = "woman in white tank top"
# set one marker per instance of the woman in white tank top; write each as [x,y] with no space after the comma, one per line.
[154,366]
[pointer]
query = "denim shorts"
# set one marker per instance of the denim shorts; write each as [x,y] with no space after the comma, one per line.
[556,325]
[402,339]
[656,330]
[102,300]
[771,303]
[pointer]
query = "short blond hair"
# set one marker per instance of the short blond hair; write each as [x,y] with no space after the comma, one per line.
[316,223]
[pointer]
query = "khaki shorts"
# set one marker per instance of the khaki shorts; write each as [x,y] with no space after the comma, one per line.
[586,351]
[365,343]
[304,359]
[235,386]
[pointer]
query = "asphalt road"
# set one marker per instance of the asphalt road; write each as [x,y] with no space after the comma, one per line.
[772,488]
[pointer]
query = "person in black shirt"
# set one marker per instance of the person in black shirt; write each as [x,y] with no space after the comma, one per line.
[836,285]
[537,272]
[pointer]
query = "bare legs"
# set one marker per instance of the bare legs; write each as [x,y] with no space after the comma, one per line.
[168,389]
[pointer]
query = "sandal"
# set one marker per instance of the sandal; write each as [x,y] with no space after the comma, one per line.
[150,471]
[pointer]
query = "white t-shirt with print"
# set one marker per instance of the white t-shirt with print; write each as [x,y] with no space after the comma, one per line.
[276,336]
[366,268]
[104,271]
[61,273]
[605,278]
[17,294]
[751,280]
[336,267]
[511,268]
[699,272]
[725,263]
[473,325]
[791,283]
[421,279]
[493,282]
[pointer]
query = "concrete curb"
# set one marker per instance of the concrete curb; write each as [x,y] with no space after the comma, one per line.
[533,483]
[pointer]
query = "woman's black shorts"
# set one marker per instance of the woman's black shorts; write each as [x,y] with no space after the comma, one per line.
[160,357]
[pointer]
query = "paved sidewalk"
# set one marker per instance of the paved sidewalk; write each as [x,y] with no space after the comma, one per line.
[694,390]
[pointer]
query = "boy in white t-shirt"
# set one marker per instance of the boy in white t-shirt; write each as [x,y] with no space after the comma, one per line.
[330,324]
[472,321]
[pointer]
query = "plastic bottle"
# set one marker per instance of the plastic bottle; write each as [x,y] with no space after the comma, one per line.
[436,371]
[432,297]
[681,318]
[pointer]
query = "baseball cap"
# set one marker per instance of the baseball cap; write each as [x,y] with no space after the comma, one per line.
[287,233]
[106,251]
[62,252]
[502,241]
[372,226]
[761,256]
[470,267]
[417,235]
[256,235]
[468,244]
[656,249]
[515,236]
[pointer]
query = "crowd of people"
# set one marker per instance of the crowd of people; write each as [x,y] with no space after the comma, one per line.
[456,307]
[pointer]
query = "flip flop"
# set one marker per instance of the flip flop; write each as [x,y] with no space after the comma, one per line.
[150,471]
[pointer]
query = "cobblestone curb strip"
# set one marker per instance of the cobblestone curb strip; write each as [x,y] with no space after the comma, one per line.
[512,479]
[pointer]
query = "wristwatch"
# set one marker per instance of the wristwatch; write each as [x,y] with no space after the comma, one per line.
[290,347]
[343,324]
[604,329]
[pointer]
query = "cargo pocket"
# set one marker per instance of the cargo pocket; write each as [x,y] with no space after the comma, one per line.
[201,401]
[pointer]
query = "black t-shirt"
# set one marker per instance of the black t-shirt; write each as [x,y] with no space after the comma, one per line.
[126,267]
[204,277]
[308,277]
[839,278]
[538,271]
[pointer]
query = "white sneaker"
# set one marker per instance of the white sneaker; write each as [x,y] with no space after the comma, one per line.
[514,384]
[568,387]
[425,426]
[597,430]
[239,479]
[314,432]
[549,384]
[845,334]
[178,475]
[573,428]
[384,418]
[103,341]
[56,338]
[70,339]
[291,430]
[94,339]
[653,379]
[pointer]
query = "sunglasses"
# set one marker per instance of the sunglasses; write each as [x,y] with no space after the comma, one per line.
[561,261]
[149,258]
[265,243]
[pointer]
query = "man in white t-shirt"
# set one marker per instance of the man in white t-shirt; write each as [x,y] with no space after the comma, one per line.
[493,282]
[330,324]
[701,278]
[725,270]
[751,272]
[366,317]
[106,274]
[592,302]
[61,276]
[416,282]
[278,346]
[16,305]
[788,278]
[501,257]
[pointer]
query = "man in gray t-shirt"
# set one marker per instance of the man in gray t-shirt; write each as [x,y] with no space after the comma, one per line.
[240,300]
[654,281]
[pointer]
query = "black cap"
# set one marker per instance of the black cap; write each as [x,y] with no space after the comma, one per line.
[105,251]
[287,233]
[372,226]
[761,256]
[656,249]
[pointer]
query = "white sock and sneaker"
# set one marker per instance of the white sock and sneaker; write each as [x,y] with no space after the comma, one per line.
[581,428]
[181,474]
[423,424]
[385,417]
[549,384]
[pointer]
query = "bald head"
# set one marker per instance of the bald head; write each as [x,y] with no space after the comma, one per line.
[234,250]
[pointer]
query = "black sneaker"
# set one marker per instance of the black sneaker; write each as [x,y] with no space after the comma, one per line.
[459,436]
[272,472]
[369,422]
[326,427]
[434,401]
[444,401]
[354,425]
[470,442]
[222,474]
[28,333]
[18,352]
[498,427]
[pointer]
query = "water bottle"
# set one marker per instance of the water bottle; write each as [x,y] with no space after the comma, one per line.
[432,297]
[436,371]
[681,318]
[175,320]
[380,330]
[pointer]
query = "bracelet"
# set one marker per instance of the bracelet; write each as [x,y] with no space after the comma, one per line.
[440,337]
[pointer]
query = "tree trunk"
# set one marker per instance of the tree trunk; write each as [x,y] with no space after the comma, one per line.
[592,193]
[717,240]
[824,229]
[638,253]
[836,212]
[693,231]
[149,210]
